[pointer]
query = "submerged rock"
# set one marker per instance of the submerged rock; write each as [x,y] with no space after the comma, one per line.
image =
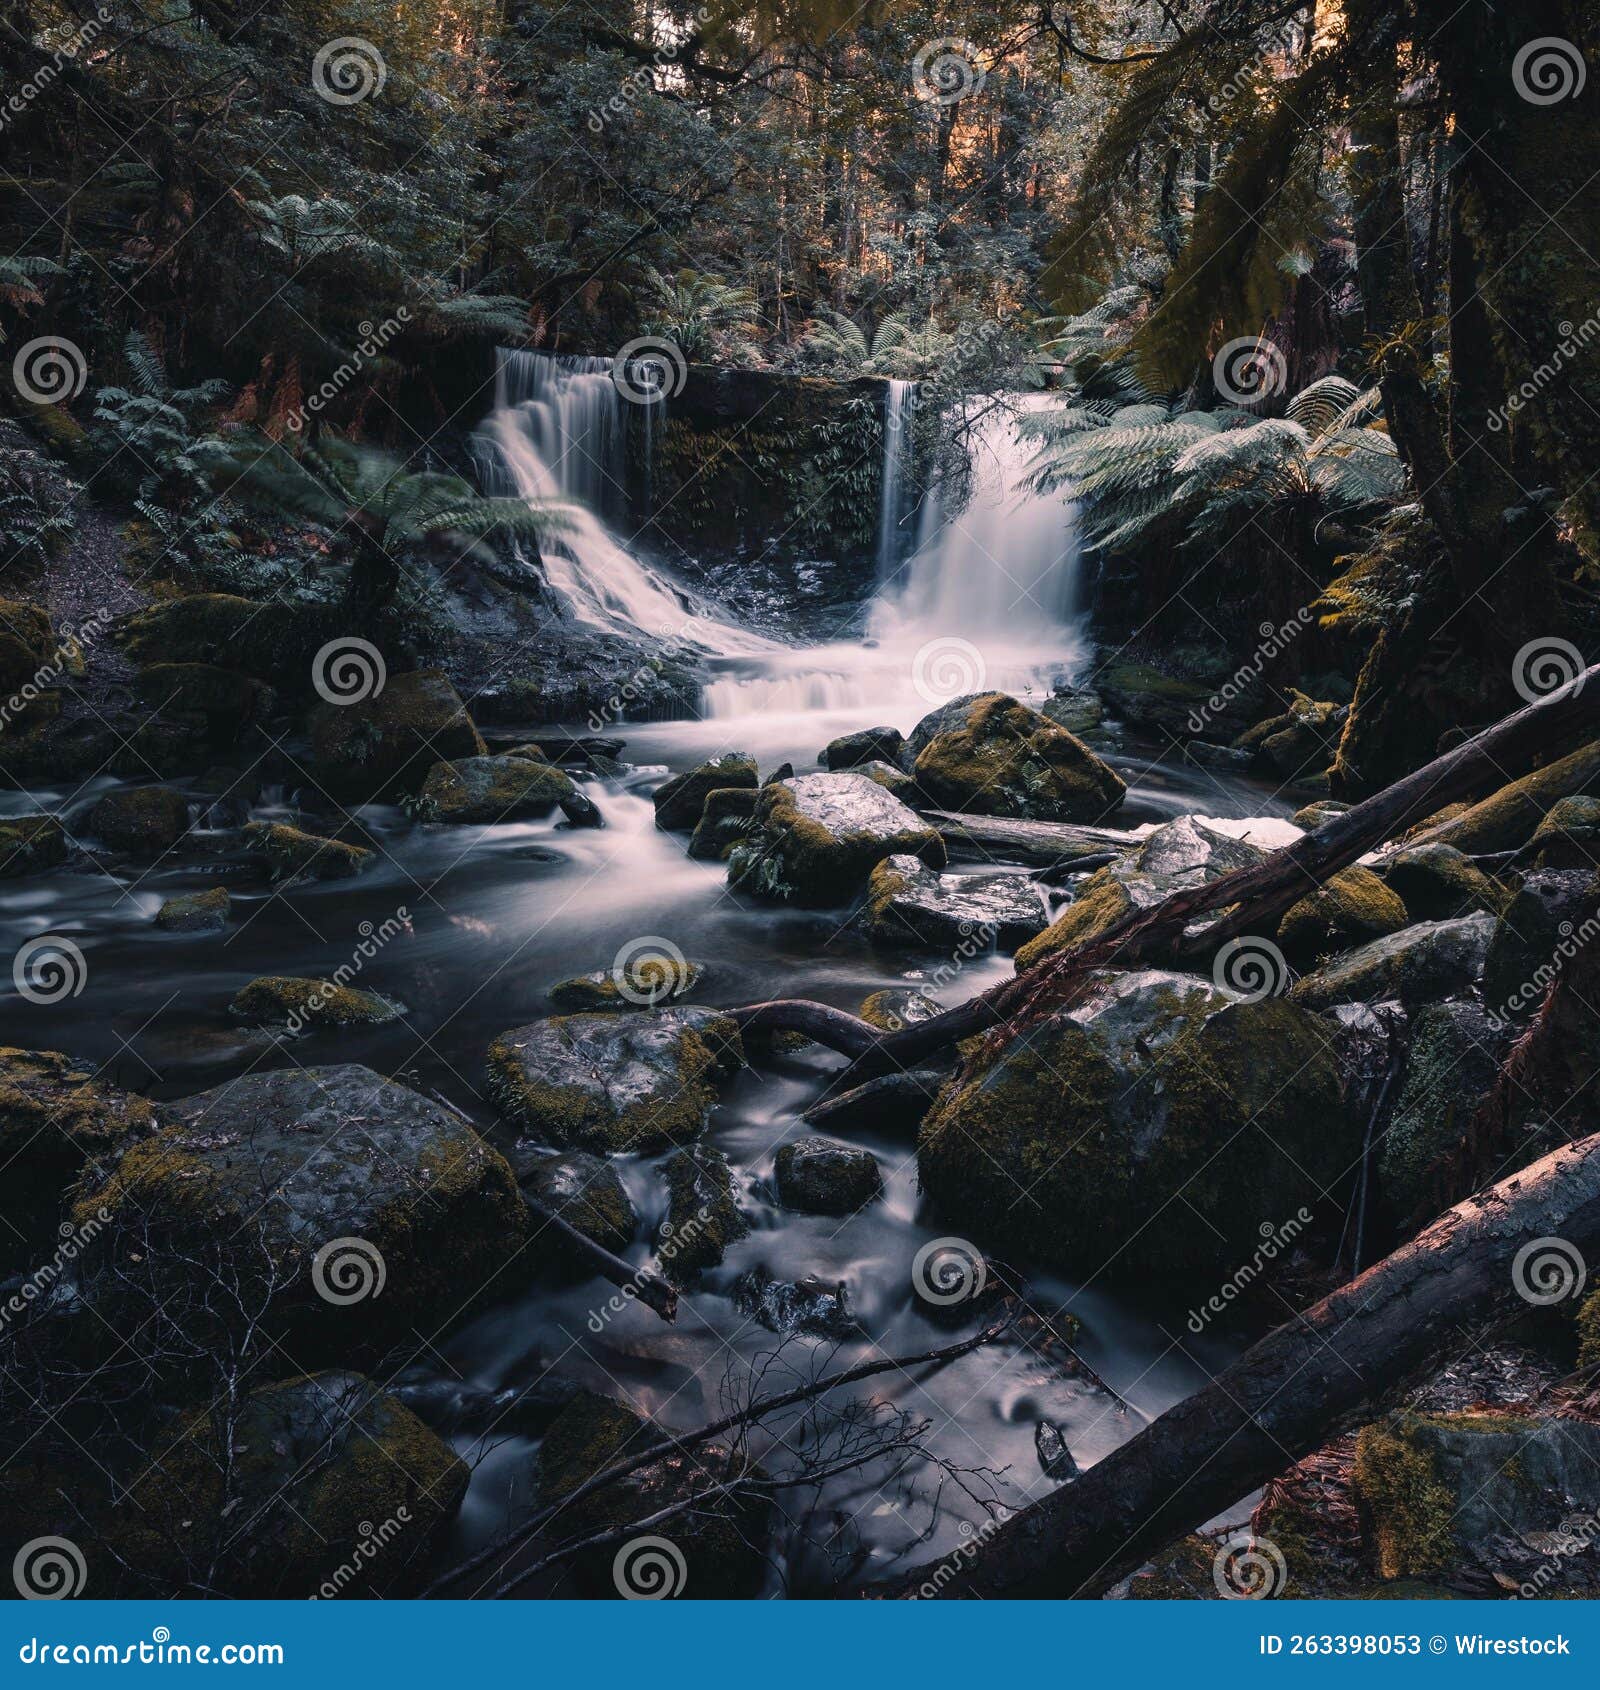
[1002,759]
[296,855]
[909,904]
[487,790]
[1346,910]
[1420,963]
[870,745]
[810,1305]
[284,1000]
[815,839]
[895,1007]
[1155,1084]
[645,982]
[196,912]
[143,820]
[679,801]
[820,1176]
[702,1217]
[30,844]
[386,744]
[613,1082]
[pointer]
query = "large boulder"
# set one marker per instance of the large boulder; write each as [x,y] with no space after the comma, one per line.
[1158,1112]
[1168,705]
[613,1082]
[272,641]
[486,790]
[1419,964]
[909,904]
[870,745]
[298,856]
[228,699]
[365,1211]
[1555,913]
[1569,835]
[28,651]
[1002,759]
[725,819]
[815,839]
[820,1176]
[384,745]
[143,820]
[1436,882]
[1346,910]
[680,800]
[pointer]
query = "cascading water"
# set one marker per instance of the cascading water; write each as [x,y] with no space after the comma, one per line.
[899,407]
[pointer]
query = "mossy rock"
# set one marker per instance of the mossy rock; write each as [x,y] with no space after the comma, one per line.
[27,645]
[816,839]
[1588,1324]
[1508,819]
[613,1082]
[725,819]
[227,698]
[486,790]
[1347,910]
[680,801]
[255,1177]
[328,1487]
[1569,835]
[273,641]
[1142,695]
[586,1192]
[1004,759]
[385,745]
[31,844]
[649,982]
[58,1124]
[892,780]
[1156,1083]
[274,1000]
[1317,815]
[196,912]
[1544,925]
[908,904]
[702,1217]
[1436,882]
[820,1176]
[296,855]
[1299,741]
[721,1543]
[1421,963]
[1079,712]
[869,745]
[145,821]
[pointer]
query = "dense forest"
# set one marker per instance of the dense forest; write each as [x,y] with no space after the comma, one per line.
[799,800]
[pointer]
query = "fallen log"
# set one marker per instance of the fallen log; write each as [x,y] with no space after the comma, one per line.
[983,839]
[651,1290]
[1294,1389]
[1254,898]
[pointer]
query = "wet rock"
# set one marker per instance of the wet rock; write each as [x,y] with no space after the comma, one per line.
[297,856]
[386,744]
[1055,1458]
[1436,882]
[196,912]
[1298,742]
[783,772]
[892,780]
[283,1000]
[909,904]
[613,1082]
[584,1190]
[228,699]
[724,820]
[820,1176]
[30,844]
[1345,911]
[785,1306]
[892,1103]
[1553,914]
[1077,711]
[1569,835]
[895,1007]
[258,1175]
[27,646]
[487,790]
[57,1124]
[702,1217]
[645,982]
[142,820]
[1421,963]
[870,745]
[1165,704]
[272,641]
[1155,1083]
[1003,759]
[814,840]
[1319,814]
[680,801]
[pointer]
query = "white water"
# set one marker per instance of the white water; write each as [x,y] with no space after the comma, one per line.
[986,599]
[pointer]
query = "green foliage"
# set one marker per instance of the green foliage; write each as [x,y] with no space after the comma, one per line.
[36,517]
[705,318]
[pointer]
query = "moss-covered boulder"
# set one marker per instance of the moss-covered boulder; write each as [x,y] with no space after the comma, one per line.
[820,1176]
[143,820]
[1436,882]
[702,1217]
[643,982]
[680,800]
[1553,915]
[613,1082]
[58,1124]
[486,790]
[228,699]
[1079,710]
[1100,902]
[1569,835]
[27,645]
[869,745]
[1298,742]
[1003,759]
[196,912]
[715,1549]
[322,1486]
[272,641]
[1347,910]
[1147,698]
[1507,819]
[30,844]
[1156,1084]
[908,904]
[585,1191]
[368,1211]
[725,819]
[283,1000]
[296,855]
[893,780]
[1420,964]
[814,840]
[385,745]
[1317,815]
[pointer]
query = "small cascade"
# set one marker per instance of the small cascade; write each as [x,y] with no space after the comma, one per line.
[898,411]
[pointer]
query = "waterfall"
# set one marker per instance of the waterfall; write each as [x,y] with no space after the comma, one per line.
[898,411]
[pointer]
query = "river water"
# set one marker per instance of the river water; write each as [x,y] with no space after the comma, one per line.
[489,918]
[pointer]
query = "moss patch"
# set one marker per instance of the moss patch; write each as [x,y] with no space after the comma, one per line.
[305,856]
[1349,909]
